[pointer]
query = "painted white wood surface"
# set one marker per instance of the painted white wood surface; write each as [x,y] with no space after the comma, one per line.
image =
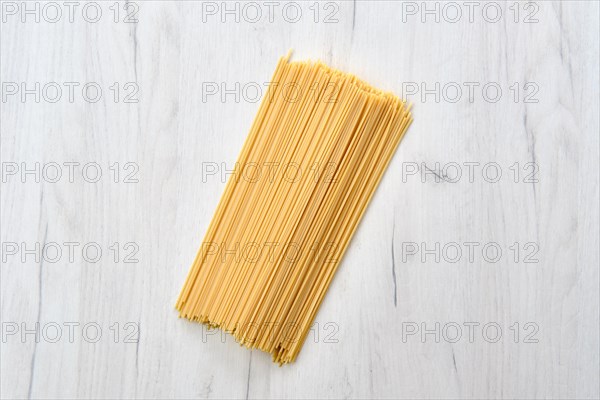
[380,292]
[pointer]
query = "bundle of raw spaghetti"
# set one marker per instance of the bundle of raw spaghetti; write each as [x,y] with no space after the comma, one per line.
[315,154]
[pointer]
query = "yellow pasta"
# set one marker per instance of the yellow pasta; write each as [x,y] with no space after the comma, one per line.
[314,156]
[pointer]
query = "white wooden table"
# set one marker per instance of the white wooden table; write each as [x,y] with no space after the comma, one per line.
[474,273]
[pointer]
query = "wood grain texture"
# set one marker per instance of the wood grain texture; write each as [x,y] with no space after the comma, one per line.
[361,346]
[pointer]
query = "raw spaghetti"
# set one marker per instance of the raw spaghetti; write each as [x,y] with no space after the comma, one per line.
[316,151]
